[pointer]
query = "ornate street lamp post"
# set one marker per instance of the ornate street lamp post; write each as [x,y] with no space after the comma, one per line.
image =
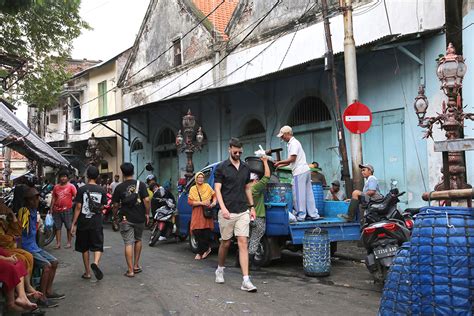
[451,71]
[189,141]
[93,152]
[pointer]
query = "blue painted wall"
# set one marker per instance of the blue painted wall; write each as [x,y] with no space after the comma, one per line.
[388,83]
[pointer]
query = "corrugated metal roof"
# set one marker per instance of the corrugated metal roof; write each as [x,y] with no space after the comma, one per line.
[385,40]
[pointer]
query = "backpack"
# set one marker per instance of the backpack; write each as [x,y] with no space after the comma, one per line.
[94,207]
[132,199]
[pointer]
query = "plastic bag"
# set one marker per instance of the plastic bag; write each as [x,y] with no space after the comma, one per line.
[48,222]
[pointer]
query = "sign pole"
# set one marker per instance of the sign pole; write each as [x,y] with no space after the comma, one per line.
[346,175]
[352,88]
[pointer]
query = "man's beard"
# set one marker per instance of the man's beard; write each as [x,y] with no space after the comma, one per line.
[234,157]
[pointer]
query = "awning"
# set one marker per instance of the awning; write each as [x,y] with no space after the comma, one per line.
[14,134]
[379,43]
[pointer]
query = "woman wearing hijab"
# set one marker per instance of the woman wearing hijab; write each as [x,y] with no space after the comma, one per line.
[201,194]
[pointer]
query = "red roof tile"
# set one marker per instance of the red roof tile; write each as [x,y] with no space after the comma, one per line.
[221,17]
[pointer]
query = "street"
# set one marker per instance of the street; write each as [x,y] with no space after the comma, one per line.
[173,283]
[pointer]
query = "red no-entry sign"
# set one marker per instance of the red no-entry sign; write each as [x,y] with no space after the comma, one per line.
[357,118]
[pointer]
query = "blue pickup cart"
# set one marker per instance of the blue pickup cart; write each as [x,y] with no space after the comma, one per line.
[280,233]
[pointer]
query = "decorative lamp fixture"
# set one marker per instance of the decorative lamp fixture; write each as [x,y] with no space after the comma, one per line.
[179,139]
[199,136]
[421,104]
[189,140]
[451,71]
[92,142]
[189,121]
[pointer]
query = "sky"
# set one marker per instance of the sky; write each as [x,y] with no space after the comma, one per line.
[115,25]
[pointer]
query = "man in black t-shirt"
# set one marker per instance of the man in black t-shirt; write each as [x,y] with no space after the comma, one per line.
[131,200]
[234,193]
[87,222]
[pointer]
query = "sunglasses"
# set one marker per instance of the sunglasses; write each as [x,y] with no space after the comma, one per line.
[237,152]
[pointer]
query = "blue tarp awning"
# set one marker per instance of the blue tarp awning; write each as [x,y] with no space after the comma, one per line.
[16,135]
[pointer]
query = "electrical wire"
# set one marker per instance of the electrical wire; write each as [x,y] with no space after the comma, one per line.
[365,10]
[171,46]
[388,19]
[257,55]
[294,34]
[152,61]
[235,70]
[220,61]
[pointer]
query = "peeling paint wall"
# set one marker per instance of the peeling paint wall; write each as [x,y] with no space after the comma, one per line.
[168,21]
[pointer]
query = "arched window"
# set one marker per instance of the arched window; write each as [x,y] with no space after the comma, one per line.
[253,127]
[309,110]
[166,137]
[136,145]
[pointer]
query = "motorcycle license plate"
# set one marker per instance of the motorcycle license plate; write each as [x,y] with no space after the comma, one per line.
[388,251]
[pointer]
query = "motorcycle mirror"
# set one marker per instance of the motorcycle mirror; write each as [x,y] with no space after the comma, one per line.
[393,183]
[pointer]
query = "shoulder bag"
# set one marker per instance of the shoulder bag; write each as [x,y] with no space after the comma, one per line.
[207,211]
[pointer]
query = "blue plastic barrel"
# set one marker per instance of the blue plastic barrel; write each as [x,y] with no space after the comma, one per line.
[318,193]
[280,193]
[438,273]
[316,253]
[396,296]
[442,260]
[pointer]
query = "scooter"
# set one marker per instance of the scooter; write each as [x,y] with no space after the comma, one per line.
[164,222]
[107,212]
[384,231]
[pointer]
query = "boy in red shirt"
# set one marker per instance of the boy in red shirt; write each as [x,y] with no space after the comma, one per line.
[61,206]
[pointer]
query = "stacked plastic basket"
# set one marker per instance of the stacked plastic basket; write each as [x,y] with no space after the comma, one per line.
[318,193]
[434,273]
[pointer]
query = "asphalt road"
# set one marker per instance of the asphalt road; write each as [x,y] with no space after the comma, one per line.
[173,283]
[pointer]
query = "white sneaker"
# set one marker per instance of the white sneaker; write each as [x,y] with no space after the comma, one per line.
[219,276]
[248,286]
[161,238]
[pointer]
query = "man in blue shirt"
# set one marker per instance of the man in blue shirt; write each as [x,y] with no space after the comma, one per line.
[371,191]
[42,258]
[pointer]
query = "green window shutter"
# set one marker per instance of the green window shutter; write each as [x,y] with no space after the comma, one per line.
[102,87]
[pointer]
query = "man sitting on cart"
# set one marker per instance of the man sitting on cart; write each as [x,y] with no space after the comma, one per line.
[371,191]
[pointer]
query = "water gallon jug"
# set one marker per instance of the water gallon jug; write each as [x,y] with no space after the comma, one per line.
[396,296]
[318,193]
[442,261]
[316,253]
[280,193]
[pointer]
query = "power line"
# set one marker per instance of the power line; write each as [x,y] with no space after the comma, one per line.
[257,55]
[155,59]
[222,59]
[171,46]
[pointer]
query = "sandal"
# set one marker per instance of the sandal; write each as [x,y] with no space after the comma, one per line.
[137,270]
[85,276]
[97,272]
[129,275]
[36,295]
[198,257]
[204,255]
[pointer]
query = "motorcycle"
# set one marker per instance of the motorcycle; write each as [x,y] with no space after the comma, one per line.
[107,213]
[164,222]
[384,231]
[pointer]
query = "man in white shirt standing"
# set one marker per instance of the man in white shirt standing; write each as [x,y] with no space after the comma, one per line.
[303,198]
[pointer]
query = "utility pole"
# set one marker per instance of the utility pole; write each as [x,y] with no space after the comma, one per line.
[346,176]
[352,89]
